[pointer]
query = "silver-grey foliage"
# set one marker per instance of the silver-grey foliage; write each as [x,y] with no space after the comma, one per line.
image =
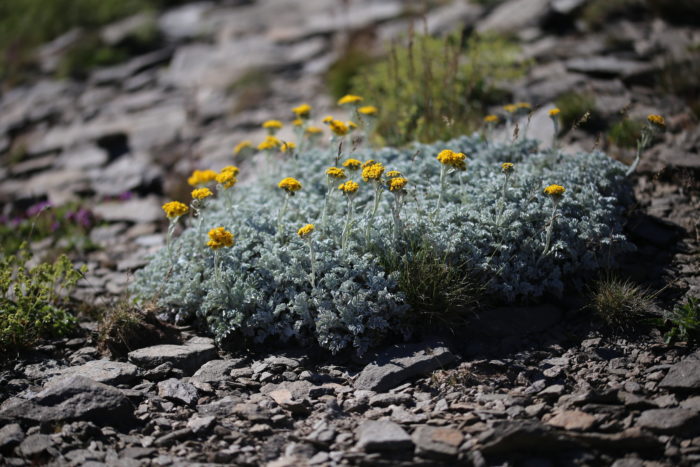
[265,291]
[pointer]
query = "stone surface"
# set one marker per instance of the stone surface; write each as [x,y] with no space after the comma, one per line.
[573,420]
[684,375]
[215,371]
[394,366]
[189,357]
[513,15]
[379,436]
[10,435]
[178,390]
[103,371]
[72,398]
[437,442]
[670,421]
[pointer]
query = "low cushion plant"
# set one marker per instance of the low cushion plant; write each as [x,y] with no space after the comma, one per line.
[305,250]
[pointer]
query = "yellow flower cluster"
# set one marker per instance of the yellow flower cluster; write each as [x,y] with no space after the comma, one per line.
[397,184]
[290,185]
[313,130]
[510,108]
[338,128]
[554,190]
[554,112]
[227,178]
[657,120]
[335,172]
[270,143]
[201,193]
[368,162]
[240,147]
[175,209]
[352,164]
[491,119]
[200,177]
[368,110]
[453,159]
[287,146]
[351,126]
[272,125]
[219,238]
[302,111]
[297,122]
[393,174]
[523,105]
[372,172]
[349,187]
[507,167]
[306,230]
[230,168]
[349,99]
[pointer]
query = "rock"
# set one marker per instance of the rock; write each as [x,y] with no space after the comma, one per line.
[216,371]
[128,173]
[387,399]
[283,398]
[520,321]
[72,398]
[572,420]
[514,15]
[114,33]
[200,425]
[103,371]
[83,157]
[523,437]
[10,436]
[172,437]
[400,363]
[177,390]
[379,436]
[184,22]
[134,210]
[566,7]
[630,440]
[653,230]
[437,442]
[670,421]
[607,66]
[188,357]
[35,446]
[684,375]
[251,412]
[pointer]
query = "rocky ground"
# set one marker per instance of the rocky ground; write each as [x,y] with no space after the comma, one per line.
[560,391]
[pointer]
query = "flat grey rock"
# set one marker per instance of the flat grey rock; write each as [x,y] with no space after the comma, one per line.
[188,357]
[10,435]
[215,371]
[437,442]
[179,391]
[670,421]
[684,375]
[72,398]
[103,371]
[381,435]
[400,363]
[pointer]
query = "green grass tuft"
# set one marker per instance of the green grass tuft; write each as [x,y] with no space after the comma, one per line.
[620,303]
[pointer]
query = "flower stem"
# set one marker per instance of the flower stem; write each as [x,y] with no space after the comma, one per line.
[283,211]
[550,228]
[348,223]
[443,170]
[312,257]
[377,197]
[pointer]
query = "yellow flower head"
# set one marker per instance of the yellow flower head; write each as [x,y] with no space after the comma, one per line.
[313,131]
[240,147]
[230,168]
[368,162]
[327,119]
[351,126]
[200,177]
[288,146]
[397,184]
[349,99]
[305,231]
[452,159]
[339,128]
[352,164]
[270,143]
[226,179]
[335,172]
[393,174]
[554,112]
[554,190]
[289,184]
[656,120]
[368,110]
[297,122]
[272,125]
[201,193]
[219,238]
[507,167]
[510,108]
[491,119]
[349,187]
[175,209]
[523,105]
[302,111]
[372,172]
